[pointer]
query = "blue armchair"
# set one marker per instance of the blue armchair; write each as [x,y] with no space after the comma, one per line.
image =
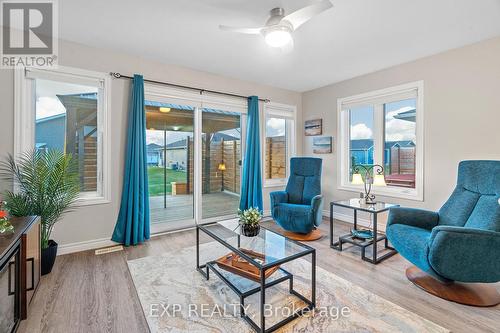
[299,208]
[459,243]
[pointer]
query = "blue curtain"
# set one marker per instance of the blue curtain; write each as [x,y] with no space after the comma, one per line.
[132,226]
[251,184]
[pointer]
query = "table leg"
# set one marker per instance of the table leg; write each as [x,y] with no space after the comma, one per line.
[262,300]
[197,248]
[331,225]
[375,241]
[355,219]
[313,278]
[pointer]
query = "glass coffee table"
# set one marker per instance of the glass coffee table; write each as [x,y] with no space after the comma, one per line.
[275,250]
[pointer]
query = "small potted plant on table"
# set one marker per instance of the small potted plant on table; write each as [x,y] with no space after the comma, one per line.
[250,221]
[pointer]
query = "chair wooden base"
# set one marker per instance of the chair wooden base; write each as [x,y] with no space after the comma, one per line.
[474,294]
[315,234]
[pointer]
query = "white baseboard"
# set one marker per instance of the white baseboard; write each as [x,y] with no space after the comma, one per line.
[84,246]
[347,218]
[104,242]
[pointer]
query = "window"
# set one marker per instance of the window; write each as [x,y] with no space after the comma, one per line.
[384,127]
[66,108]
[278,143]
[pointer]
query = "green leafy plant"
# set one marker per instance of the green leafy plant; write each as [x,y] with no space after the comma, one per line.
[250,216]
[5,226]
[46,184]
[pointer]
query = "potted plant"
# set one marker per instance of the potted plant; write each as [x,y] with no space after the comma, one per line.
[46,184]
[249,220]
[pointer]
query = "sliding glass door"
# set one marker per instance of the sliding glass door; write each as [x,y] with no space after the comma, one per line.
[221,163]
[170,158]
[194,162]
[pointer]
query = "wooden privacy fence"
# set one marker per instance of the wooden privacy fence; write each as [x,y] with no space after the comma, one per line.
[403,160]
[229,153]
[213,179]
[275,160]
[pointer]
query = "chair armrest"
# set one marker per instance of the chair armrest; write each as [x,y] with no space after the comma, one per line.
[465,254]
[317,209]
[316,202]
[413,217]
[278,197]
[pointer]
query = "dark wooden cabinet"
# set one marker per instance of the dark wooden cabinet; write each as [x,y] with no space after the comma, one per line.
[30,270]
[10,291]
[19,270]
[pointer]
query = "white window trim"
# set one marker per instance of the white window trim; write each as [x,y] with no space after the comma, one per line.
[284,111]
[24,120]
[417,193]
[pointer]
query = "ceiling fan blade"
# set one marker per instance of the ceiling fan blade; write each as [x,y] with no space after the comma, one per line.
[301,16]
[249,31]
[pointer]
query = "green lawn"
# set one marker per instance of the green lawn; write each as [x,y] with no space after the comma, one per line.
[155,177]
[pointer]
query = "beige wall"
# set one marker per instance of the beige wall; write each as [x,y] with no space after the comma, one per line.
[97,222]
[462,115]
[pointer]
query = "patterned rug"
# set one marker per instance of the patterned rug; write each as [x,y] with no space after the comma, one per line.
[176,298]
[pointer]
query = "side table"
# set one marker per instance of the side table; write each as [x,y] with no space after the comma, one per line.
[374,209]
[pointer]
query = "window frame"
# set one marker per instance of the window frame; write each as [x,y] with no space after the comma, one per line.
[289,113]
[378,98]
[24,119]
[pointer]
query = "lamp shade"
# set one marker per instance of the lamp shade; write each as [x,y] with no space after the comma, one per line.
[221,167]
[379,180]
[357,179]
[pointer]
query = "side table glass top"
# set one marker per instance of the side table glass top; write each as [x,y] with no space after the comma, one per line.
[359,204]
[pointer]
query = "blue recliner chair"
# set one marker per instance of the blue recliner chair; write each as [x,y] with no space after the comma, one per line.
[459,243]
[299,208]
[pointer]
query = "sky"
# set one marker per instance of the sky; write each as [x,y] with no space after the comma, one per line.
[395,129]
[275,127]
[47,103]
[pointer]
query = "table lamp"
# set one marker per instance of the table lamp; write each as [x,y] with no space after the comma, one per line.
[377,179]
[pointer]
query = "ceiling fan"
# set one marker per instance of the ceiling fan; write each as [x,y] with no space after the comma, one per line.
[278,29]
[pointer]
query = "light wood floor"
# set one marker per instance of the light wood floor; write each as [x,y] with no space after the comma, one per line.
[87,293]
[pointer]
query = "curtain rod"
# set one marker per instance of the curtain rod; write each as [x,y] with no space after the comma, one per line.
[121,76]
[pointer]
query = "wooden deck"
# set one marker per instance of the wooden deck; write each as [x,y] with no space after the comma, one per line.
[180,207]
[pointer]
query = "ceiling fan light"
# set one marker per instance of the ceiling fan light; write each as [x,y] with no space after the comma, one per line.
[278,37]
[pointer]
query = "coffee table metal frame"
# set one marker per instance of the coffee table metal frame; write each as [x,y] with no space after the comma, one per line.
[204,269]
[363,244]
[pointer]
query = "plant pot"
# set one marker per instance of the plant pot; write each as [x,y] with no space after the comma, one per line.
[250,230]
[49,257]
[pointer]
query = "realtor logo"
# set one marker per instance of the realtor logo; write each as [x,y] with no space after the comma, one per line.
[29,35]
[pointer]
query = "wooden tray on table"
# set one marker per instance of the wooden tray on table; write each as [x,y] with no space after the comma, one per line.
[234,263]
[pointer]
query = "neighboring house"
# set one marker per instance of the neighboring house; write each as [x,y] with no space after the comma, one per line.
[177,152]
[362,149]
[50,132]
[154,154]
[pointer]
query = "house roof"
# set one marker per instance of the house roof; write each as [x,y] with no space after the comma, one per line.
[182,143]
[410,115]
[216,138]
[50,118]
[153,147]
[365,144]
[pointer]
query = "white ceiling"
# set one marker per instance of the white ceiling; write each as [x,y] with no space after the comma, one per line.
[353,38]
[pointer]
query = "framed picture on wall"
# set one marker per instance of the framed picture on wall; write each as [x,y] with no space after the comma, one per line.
[322,145]
[313,127]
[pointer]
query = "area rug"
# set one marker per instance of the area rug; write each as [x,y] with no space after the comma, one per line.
[175,297]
